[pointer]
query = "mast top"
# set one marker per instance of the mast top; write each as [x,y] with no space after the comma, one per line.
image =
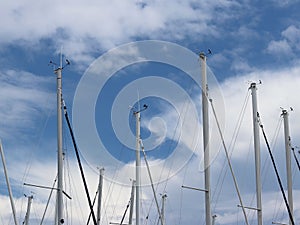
[61,67]
[254,84]
[140,110]
[202,55]
[286,111]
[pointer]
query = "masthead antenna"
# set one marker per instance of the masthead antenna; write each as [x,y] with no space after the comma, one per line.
[138,95]
[61,66]
[60,61]
[139,110]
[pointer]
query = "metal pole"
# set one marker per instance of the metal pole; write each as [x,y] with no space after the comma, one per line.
[205,121]
[163,219]
[288,159]
[152,186]
[59,203]
[28,210]
[138,167]
[257,152]
[8,186]
[100,187]
[131,203]
[214,219]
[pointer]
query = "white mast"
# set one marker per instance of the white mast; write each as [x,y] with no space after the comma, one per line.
[164,196]
[205,122]
[288,159]
[28,210]
[214,219]
[8,186]
[100,187]
[131,203]
[257,152]
[60,219]
[138,167]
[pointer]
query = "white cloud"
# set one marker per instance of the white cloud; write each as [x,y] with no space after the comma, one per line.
[103,25]
[292,34]
[285,3]
[24,96]
[279,88]
[288,45]
[279,48]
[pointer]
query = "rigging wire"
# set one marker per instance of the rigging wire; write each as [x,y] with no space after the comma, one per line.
[94,200]
[266,166]
[29,161]
[281,202]
[228,160]
[1,218]
[79,163]
[231,147]
[40,132]
[280,207]
[295,157]
[69,214]
[48,201]
[276,171]
[182,115]
[251,214]
[111,186]
[114,209]
[151,181]
[127,207]
[181,195]
[65,171]
[169,149]
[77,197]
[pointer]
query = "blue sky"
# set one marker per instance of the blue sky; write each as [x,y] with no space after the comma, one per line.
[250,41]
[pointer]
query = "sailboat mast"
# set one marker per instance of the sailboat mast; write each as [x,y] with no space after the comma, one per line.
[257,152]
[138,167]
[28,210]
[285,116]
[8,186]
[131,203]
[164,196]
[59,203]
[100,187]
[205,122]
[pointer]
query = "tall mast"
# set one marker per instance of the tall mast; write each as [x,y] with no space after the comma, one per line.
[131,203]
[100,187]
[205,122]
[257,152]
[60,219]
[287,139]
[8,186]
[138,167]
[164,196]
[28,209]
